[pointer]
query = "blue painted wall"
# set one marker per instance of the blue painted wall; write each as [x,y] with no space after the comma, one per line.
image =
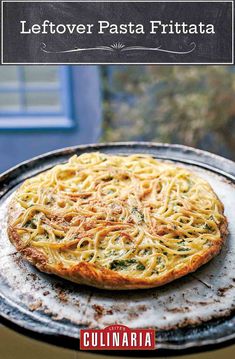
[17,146]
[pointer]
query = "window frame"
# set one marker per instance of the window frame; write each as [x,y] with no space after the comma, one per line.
[47,120]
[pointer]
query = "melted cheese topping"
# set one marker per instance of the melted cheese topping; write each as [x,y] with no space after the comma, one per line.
[131,214]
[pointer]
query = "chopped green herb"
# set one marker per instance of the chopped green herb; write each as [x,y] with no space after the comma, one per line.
[147,251]
[118,264]
[184,249]
[30,223]
[137,214]
[140,266]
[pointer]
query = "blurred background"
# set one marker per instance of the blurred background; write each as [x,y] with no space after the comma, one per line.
[43,108]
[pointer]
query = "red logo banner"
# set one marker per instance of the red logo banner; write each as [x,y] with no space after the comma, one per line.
[117,337]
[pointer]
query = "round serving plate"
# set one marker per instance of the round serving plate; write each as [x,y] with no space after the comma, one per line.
[194,313]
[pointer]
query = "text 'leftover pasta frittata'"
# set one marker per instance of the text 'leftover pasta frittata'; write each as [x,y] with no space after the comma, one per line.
[117,222]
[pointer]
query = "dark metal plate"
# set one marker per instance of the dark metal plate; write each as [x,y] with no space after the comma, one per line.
[191,314]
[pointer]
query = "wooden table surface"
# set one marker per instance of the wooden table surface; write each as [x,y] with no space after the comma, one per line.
[16,346]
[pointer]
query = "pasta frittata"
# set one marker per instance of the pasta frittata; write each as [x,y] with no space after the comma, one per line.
[117,222]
